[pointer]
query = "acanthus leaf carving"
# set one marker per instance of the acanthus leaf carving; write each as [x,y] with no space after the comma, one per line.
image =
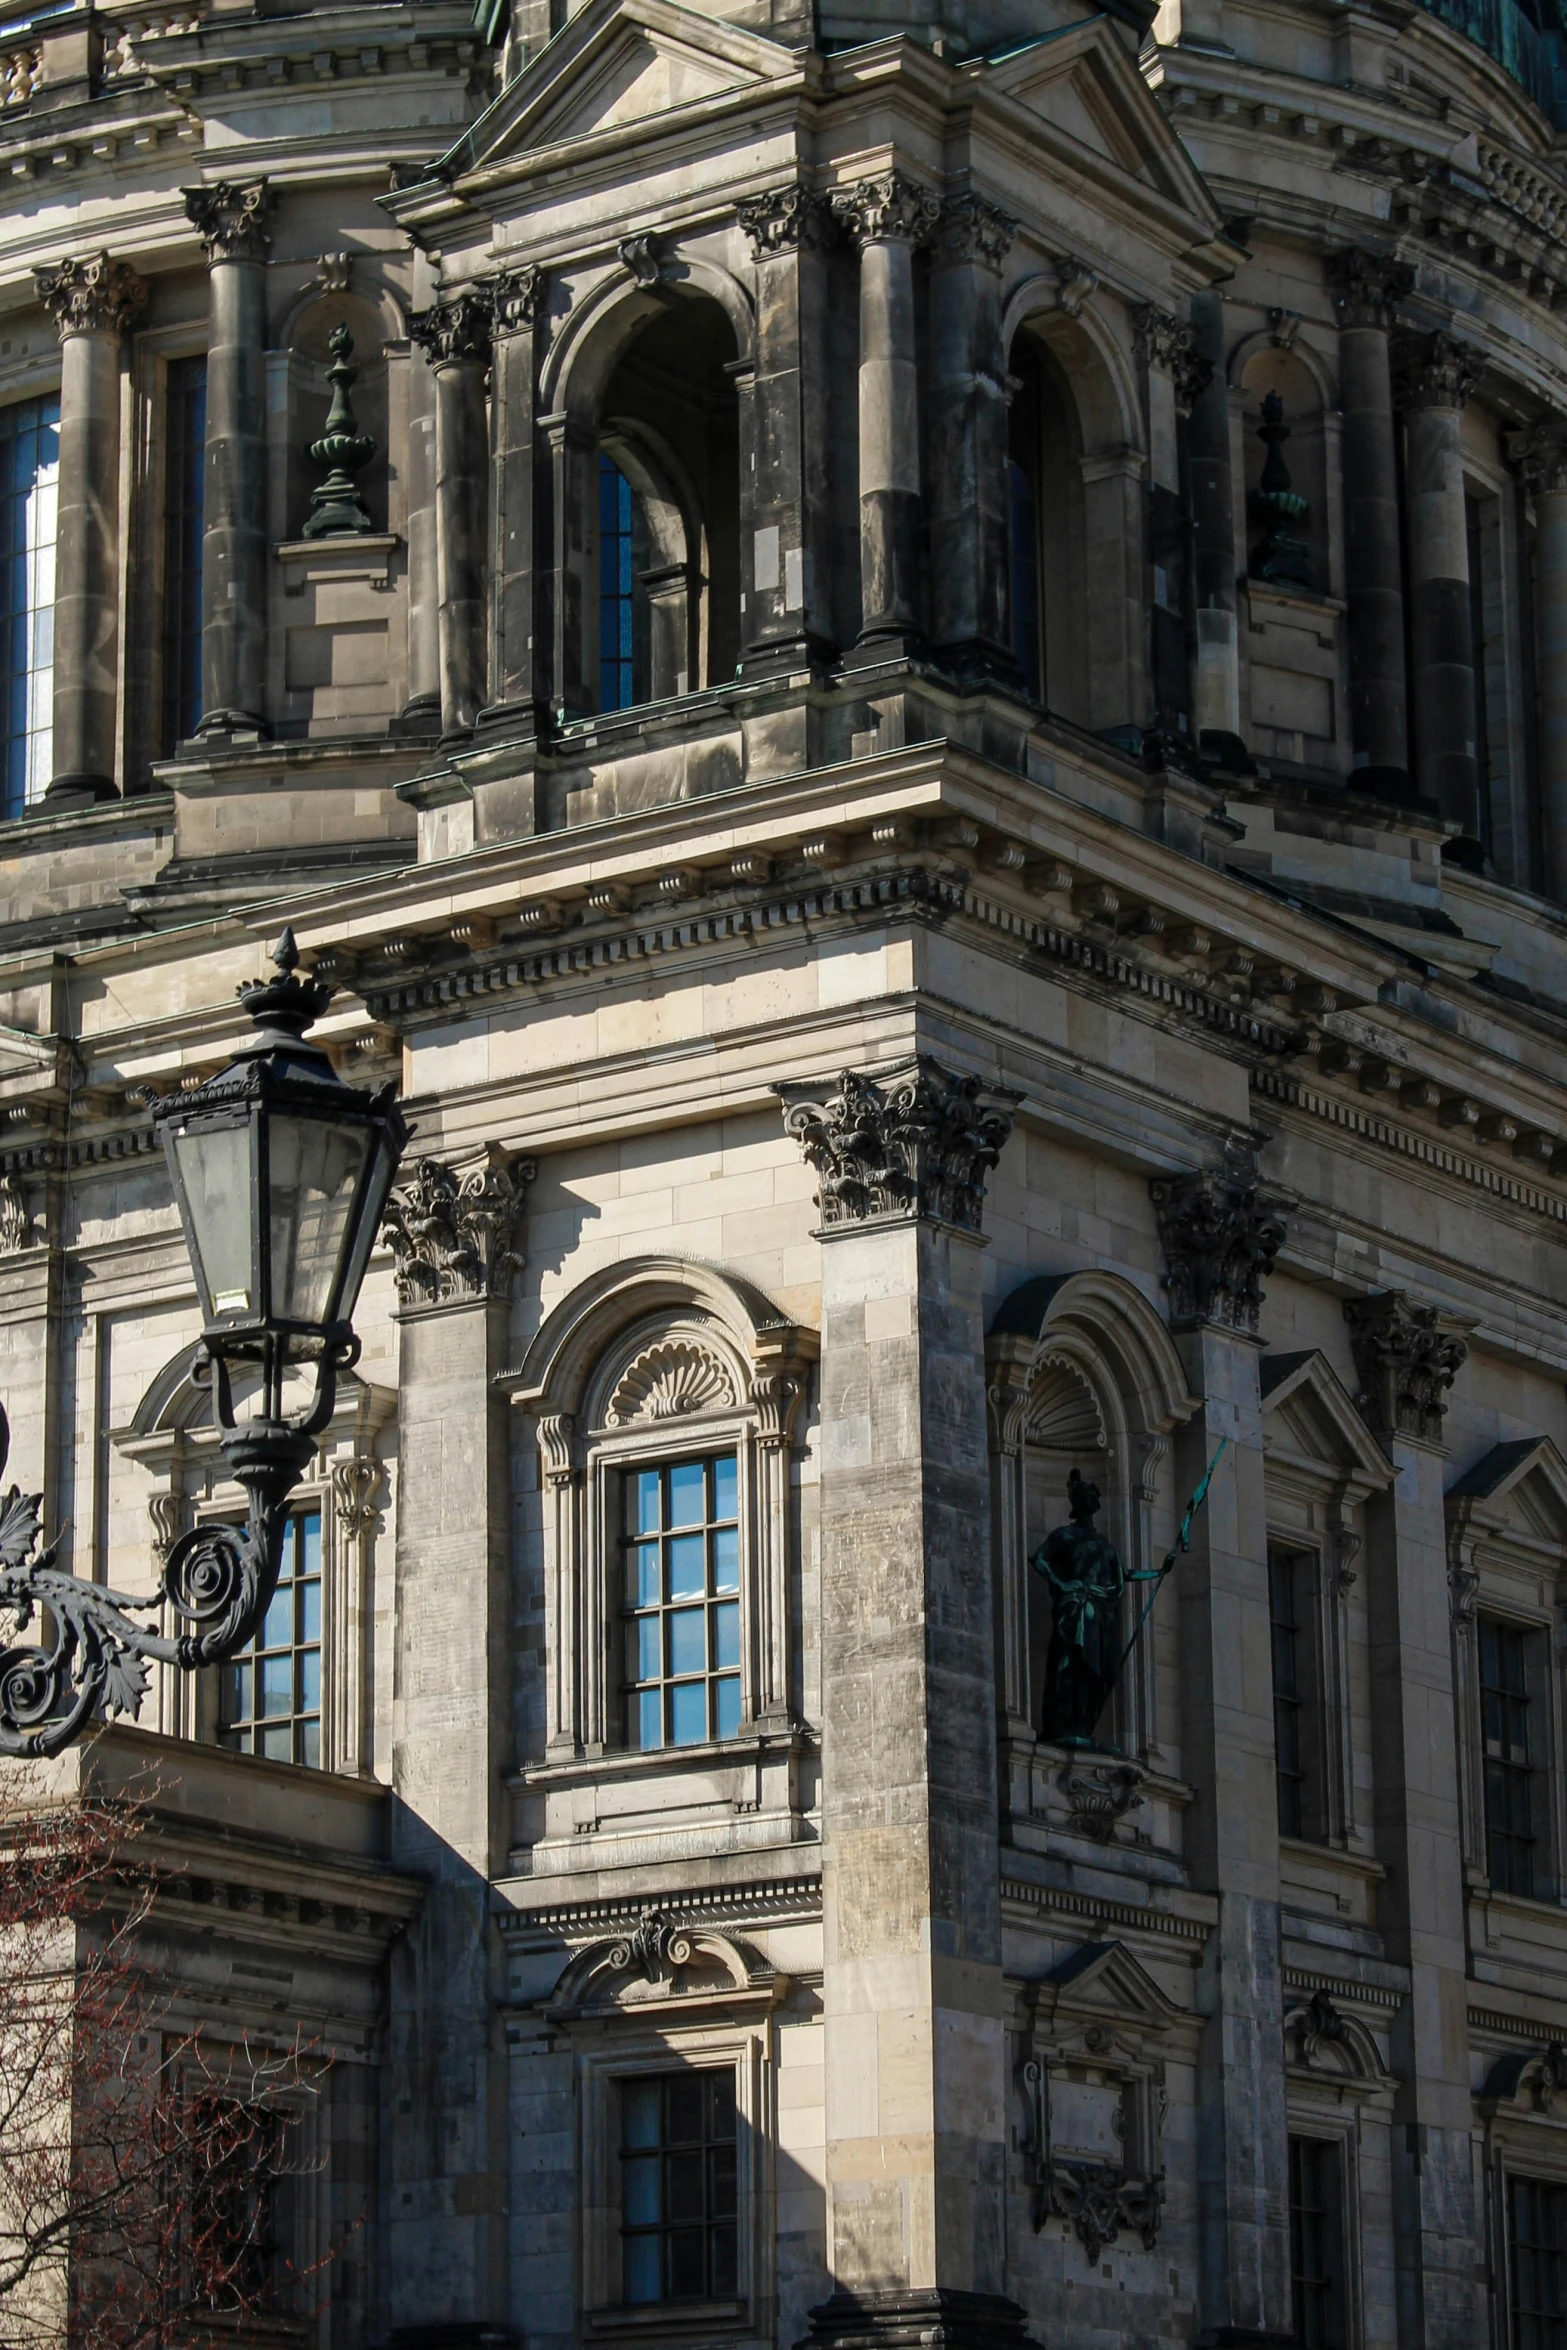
[98,295]
[516,297]
[18,1229]
[231,219]
[971,228]
[1220,1229]
[1540,456]
[167,1512]
[354,1484]
[775,1398]
[451,1234]
[915,1142]
[456,328]
[1100,1797]
[1170,344]
[1406,1362]
[1434,371]
[1367,288]
[783,220]
[890,209]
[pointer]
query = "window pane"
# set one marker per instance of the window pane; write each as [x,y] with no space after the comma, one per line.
[1510,1658]
[644,1502]
[269,1701]
[688,1713]
[726,1634]
[726,1493]
[687,2264]
[726,1708]
[726,1559]
[641,2197]
[639,2113]
[644,2261]
[649,1663]
[688,1493]
[29,485]
[688,1641]
[650,1719]
[644,1570]
[687,1566]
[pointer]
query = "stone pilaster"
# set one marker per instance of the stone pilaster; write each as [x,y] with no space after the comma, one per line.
[232,221]
[1541,457]
[1367,290]
[1220,1229]
[455,1239]
[92,302]
[1407,1363]
[1174,372]
[1216,687]
[789,607]
[454,335]
[1434,376]
[422,710]
[887,218]
[970,620]
[519,562]
[912,1989]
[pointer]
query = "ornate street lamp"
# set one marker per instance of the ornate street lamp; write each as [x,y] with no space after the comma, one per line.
[281,1172]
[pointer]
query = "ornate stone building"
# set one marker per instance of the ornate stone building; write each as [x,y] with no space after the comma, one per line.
[911,669]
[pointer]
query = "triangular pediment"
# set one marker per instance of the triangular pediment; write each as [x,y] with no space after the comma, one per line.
[1310,1420]
[619,62]
[1104,1979]
[1084,86]
[1520,1486]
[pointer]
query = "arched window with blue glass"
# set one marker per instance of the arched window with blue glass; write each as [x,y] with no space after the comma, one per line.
[667,505]
[29,492]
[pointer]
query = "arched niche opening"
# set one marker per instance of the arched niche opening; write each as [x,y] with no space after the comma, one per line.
[665,522]
[1286,550]
[1047,533]
[310,397]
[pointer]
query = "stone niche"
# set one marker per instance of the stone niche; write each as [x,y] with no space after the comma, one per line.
[339,652]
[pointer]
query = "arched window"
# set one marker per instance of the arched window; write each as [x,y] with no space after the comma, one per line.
[1047,532]
[623,602]
[667,512]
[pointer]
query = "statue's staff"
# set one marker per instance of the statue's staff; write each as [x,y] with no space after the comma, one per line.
[1182,1542]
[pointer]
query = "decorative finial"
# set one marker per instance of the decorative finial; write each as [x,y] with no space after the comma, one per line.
[286,953]
[1283,557]
[337,507]
[283,1007]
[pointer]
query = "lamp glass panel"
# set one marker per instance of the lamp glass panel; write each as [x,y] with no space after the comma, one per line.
[368,1224]
[313,1173]
[214,1173]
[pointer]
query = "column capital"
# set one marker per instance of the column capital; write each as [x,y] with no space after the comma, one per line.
[911,1144]
[231,219]
[516,297]
[1406,1362]
[1434,371]
[94,296]
[1220,1229]
[783,220]
[970,228]
[891,209]
[1540,455]
[453,1232]
[1367,288]
[457,327]
[1170,344]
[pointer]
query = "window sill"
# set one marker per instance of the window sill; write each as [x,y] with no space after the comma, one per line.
[762,1742]
[679,2320]
[1332,1856]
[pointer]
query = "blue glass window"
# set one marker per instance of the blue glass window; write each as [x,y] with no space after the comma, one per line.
[678,2188]
[623,629]
[183,517]
[269,1699]
[29,491]
[682,1548]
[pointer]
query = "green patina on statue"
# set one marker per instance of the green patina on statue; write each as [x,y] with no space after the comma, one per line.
[1087,1580]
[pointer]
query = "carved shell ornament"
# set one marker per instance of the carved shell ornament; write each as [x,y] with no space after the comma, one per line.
[668,1381]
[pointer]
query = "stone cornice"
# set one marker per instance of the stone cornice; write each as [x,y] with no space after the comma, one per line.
[95,296]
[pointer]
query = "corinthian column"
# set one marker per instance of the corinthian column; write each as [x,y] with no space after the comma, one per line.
[455,338]
[888,217]
[232,224]
[1541,456]
[91,302]
[789,607]
[1434,377]
[970,618]
[1366,291]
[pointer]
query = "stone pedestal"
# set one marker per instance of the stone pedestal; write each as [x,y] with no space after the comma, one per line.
[788,607]
[1435,377]
[232,222]
[1406,1364]
[91,302]
[1366,292]
[455,338]
[970,617]
[887,218]
[916,2060]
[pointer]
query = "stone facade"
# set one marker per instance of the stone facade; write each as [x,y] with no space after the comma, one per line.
[927,729]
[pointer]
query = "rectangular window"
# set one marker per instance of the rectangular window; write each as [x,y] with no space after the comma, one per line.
[677,2182]
[270,1698]
[1294,1715]
[1317,2243]
[1536,2240]
[1506,1655]
[682,1551]
[29,490]
[184,505]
